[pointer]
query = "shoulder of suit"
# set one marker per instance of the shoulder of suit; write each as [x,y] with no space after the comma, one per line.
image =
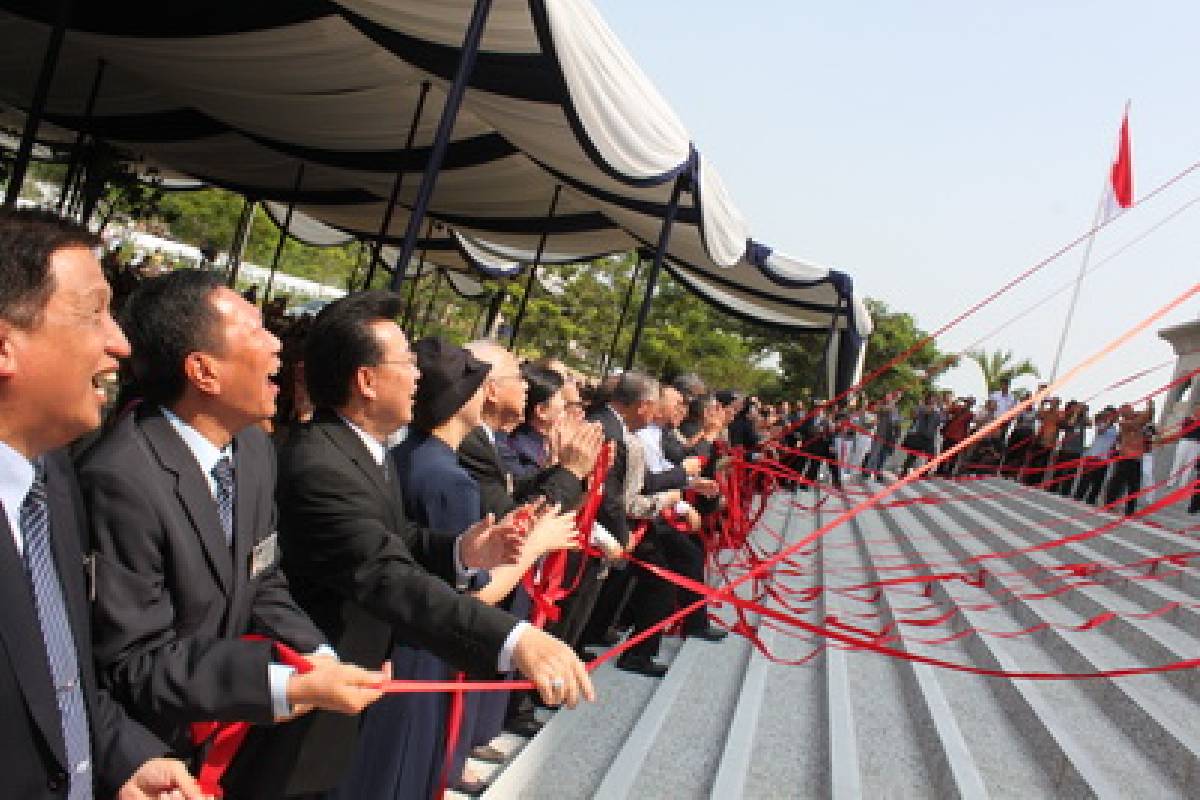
[116,448]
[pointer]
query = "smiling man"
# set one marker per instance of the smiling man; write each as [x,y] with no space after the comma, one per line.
[181,499]
[60,735]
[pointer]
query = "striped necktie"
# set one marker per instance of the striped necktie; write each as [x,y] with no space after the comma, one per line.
[56,635]
[222,473]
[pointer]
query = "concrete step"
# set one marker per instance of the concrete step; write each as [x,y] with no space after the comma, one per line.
[1141,736]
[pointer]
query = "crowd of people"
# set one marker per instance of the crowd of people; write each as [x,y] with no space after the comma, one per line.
[1065,449]
[269,527]
[265,531]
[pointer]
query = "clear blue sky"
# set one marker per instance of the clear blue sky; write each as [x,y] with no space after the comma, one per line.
[935,149]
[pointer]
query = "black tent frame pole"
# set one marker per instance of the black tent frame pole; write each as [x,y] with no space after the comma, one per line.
[531,284]
[612,348]
[437,284]
[494,309]
[37,107]
[396,184]
[237,247]
[471,335]
[77,150]
[409,318]
[660,252]
[283,233]
[441,139]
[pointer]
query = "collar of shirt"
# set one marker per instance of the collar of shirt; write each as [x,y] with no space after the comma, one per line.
[491,434]
[16,477]
[651,439]
[205,452]
[373,445]
[620,421]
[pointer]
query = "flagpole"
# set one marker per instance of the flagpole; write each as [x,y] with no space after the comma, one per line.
[1083,267]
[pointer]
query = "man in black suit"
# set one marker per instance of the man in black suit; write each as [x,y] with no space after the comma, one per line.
[366,574]
[181,500]
[61,736]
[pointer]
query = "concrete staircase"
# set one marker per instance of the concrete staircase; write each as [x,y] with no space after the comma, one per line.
[727,722]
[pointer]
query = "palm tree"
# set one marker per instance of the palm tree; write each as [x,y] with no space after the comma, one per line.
[998,366]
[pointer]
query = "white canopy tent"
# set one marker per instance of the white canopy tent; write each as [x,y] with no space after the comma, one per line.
[242,94]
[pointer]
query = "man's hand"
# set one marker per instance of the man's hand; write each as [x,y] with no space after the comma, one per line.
[555,670]
[692,466]
[552,531]
[334,686]
[576,445]
[161,779]
[705,487]
[488,544]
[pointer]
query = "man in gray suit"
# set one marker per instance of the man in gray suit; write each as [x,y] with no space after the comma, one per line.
[181,500]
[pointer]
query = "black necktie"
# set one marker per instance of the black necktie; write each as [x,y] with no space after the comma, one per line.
[56,635]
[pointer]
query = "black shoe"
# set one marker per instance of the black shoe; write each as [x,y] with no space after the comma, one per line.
[485,752]
[523,726]
[709,634]
[642,665]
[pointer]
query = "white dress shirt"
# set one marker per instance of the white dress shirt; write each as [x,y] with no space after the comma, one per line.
[16,479]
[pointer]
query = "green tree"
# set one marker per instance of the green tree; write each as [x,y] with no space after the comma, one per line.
[998,365]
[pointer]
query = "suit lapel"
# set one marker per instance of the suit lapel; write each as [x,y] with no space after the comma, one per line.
[22,633]
[353,448]
[245,512]
[194,495]
[67,548]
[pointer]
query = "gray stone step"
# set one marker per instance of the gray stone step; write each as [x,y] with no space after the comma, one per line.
[1141,735]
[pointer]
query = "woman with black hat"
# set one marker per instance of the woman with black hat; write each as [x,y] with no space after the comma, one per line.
[402,748]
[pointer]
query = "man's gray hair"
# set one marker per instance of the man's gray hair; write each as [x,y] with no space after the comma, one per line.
[633,388]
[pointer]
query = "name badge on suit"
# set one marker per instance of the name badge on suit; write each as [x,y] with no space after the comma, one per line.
[264,555]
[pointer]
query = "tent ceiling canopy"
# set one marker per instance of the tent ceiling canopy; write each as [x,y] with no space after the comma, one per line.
[240,94]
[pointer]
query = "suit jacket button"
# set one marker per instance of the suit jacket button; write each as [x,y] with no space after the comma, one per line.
[56,781]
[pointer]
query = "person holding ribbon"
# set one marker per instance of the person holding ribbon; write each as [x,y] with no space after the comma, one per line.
[367,573]
[402,749]
[181,499]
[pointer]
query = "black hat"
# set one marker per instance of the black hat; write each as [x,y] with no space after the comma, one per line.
[449,377]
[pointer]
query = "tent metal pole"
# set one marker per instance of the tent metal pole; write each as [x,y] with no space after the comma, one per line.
[660,252]
[77,150]
[612,348]
[241,235]
[475,322]
[441,139]
[283,232]
[437,284]
[531,284]
[396,184]
[37,107]
[494,310]
[409,319]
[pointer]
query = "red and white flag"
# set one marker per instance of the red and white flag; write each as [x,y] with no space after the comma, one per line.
[1118,196]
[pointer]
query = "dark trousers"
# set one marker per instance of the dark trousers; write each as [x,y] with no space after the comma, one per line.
[1039,459]
[823,449]
[576,608]
[917,444]
[1126,480]
[1016,458]
[949,467]
[685,555]
[1064,475]
[1090,480]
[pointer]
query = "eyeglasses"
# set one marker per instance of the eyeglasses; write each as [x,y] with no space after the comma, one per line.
[411,361]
